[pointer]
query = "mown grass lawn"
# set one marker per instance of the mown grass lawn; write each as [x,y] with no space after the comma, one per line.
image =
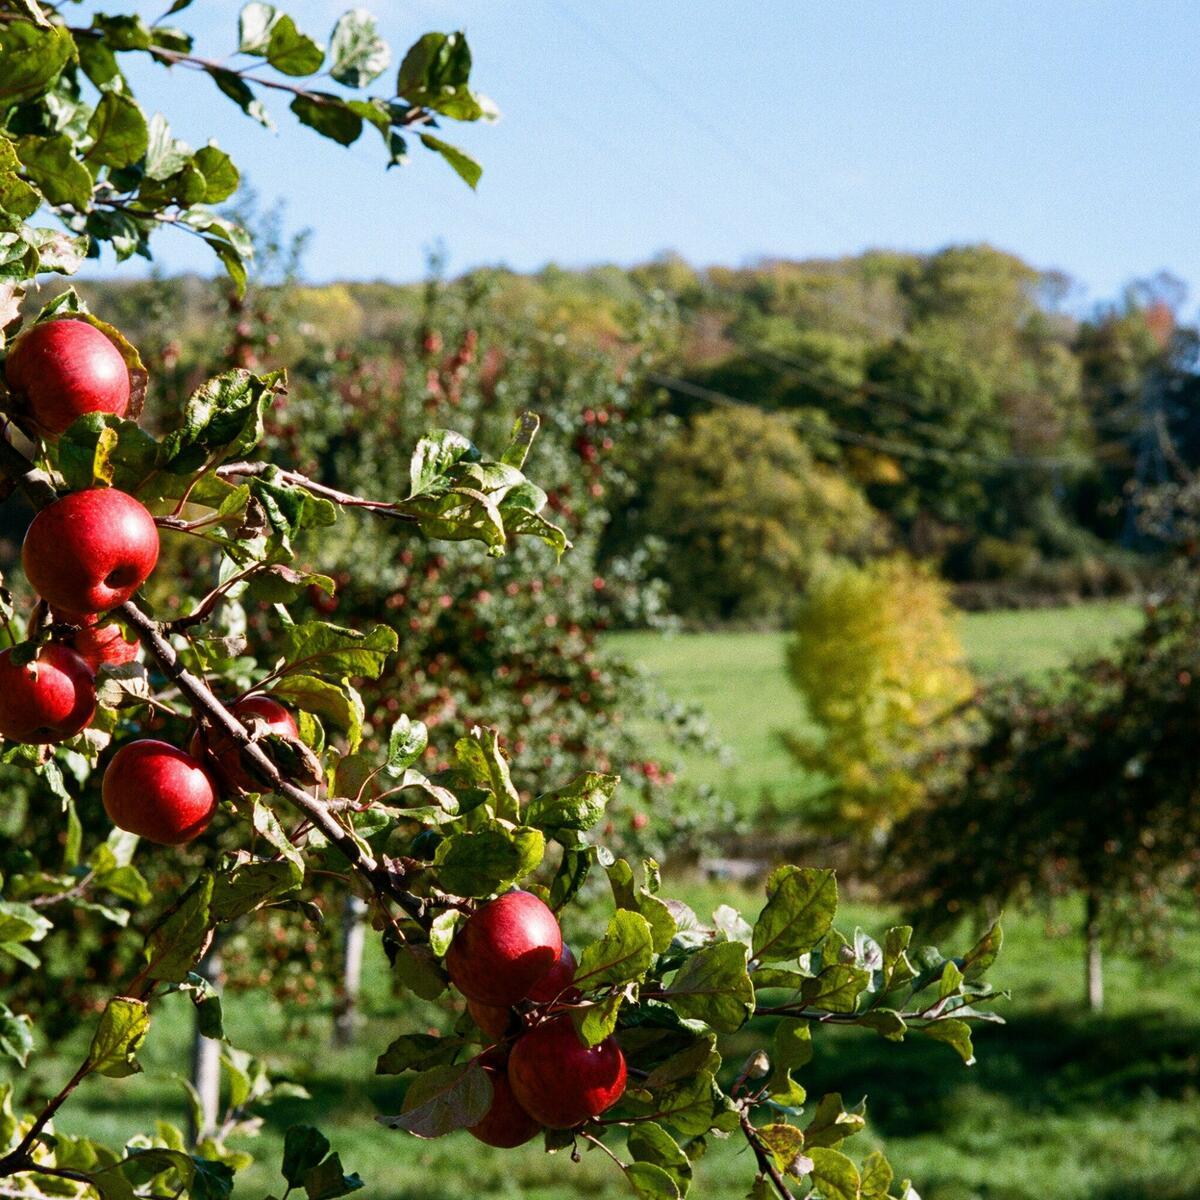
[739,680]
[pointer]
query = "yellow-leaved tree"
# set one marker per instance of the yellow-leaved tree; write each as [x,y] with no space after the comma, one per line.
[877,657]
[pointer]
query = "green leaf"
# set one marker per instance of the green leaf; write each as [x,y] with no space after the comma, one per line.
[687,1106]
[174,945]
[595,1022]
[572,872]
[115,1044]
[291,52]
[100,448]
[33,56]
[954,1033]
[465,167]
[329,115]
[16,196]
[98,61]
[650,1182]
[417,1052]
[221,177]
[833,1175]
[791,1048]
[624,953]
[897,970]
[241,93]
[22,923]
[483,861]
[123,32]
[337,702]
[576,806]
[165,154]
[799,912]
[831,1124]
[483,760]
[16,1035]
[435,74]
[359,54]
[979,959]
[876,1177]
[303,1148]
[434,455]
[444,1099]
[222,418]
[331,651]
[417,969]
[712,986]
[651,1143]
[53,167]
[640,900]
[249,885]
[255,23]
[836,988]
[118,129]
[406,744]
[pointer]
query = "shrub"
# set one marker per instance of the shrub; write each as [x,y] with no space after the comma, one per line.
[876,657]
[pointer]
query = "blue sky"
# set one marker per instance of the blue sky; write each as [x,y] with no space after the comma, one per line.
[1061,130]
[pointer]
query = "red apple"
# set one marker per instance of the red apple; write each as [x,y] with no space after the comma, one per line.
[506,1124]
[48,699]
[561,1082]
[99,644]
[218,748]
[157,791]
[493,1019]
[91,550]
[556,983]
[65,368]
[503,948]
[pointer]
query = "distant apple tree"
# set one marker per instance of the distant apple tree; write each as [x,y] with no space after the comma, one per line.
[264,763]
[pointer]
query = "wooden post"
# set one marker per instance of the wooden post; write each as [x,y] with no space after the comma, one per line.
[206,1054]
[354,932]
[1094,954]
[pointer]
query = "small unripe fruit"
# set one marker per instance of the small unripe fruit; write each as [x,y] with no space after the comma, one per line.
[218,748]
[90,551]
[63,369]
[506,1124]
[494,1020]
[558,1080]
[47,700]
[157,791]
[556,983]
[503,949]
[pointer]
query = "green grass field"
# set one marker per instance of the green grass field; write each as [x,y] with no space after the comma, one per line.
[1060,1105]
[738,679]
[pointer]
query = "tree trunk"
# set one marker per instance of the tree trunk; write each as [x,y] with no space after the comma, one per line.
[206,1054]
[1095,961]
[354,932]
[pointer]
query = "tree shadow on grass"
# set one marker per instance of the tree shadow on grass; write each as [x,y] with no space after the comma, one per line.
[1054,1063]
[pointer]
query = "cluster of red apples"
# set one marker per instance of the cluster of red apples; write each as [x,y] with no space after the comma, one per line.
[509,960]
[89,552]
[86,554]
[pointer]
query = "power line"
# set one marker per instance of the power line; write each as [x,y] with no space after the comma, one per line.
[681,106]
[888,446]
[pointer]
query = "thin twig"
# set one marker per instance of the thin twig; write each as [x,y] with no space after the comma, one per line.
[763,1157]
